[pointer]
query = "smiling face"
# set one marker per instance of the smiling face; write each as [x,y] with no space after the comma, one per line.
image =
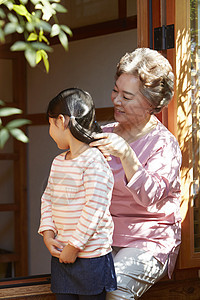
[130,106]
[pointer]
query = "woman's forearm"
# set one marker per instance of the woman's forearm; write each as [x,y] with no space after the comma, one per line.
[130,162]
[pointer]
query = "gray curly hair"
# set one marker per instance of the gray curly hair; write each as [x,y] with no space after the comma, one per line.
[155,74]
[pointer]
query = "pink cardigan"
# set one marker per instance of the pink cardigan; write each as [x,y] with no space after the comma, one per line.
[145,210]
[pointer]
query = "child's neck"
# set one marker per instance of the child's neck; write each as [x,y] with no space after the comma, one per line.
[76,148]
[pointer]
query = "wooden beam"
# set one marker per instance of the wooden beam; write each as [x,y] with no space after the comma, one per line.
[156,16]
[9,207]
[25,281]
[103,28]
[9,257]
[20,172]
[143,23]
[99,29]
[171,56]
[9,156]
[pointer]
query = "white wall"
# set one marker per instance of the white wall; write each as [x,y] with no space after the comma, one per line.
[89,64]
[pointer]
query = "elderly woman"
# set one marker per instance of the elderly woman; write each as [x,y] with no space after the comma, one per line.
[145,159]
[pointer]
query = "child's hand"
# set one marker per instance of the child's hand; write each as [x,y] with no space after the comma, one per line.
[69,254]
[52,245]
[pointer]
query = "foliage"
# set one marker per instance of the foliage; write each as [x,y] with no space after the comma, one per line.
[35,22]
[12,127]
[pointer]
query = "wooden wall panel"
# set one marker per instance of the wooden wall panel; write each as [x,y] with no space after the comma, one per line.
[143,23]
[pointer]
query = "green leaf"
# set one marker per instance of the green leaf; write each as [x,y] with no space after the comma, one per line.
[9,111]
[20,29]
[2,103]
[63,39]
[38,6]
[38,56]
[32,37]
[19,135]
[59,8]
[37,14]
[55,30]
[12,18]
[39,46]
[24,1]
[10,28]
[35,1]
[20,10]
[4,136]
[30,55]
[29,27]
[2,13]
[9,4]
[0,122]
[41,54]
[47,10]
[2,36]
[66,29]
[19,46]
[44,25]
[2,2]
[46,61]
[45,39]
[17,123]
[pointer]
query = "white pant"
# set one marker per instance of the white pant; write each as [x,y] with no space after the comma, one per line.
[136,272]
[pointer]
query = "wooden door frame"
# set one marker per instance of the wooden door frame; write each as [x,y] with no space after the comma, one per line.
[177,116]
[19,206]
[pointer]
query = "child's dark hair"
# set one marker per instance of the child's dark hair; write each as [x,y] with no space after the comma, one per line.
[79,106]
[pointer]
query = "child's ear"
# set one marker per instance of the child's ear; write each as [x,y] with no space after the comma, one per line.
[64,120]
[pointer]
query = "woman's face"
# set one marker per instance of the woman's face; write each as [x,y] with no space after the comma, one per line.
[130,106]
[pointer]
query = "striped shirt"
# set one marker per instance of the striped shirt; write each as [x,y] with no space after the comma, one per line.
[75,203]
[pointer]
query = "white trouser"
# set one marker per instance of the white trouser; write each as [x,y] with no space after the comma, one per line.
[136,272]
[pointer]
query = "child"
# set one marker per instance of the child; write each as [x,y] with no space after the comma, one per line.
[75,220]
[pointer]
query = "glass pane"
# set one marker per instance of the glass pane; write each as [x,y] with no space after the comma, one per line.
[6,230]
[6,80]
[6,244]
[6,182]
[195,73]
[8,147]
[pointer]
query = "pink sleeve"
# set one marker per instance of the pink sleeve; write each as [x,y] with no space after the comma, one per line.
[159,177]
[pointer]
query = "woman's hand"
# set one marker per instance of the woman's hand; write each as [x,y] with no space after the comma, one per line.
[69,254]
[52,245]
[111,144]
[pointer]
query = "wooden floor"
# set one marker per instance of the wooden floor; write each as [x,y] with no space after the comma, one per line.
[174,290]
[39,292]
[185,285]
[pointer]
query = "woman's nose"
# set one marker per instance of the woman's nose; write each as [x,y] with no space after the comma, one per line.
[117,100]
